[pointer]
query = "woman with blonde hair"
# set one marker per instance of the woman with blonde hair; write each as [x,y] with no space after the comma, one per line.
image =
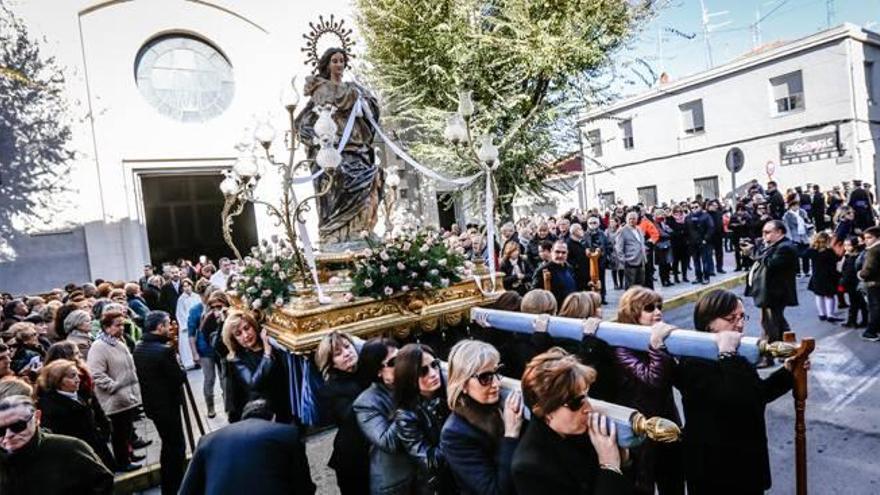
[582,305]
[67,410]
[538,301]
[337,359]
[479,437]
[592,350]
[825,278]
[567,447]
[254,370]
[517,271]
[644,382]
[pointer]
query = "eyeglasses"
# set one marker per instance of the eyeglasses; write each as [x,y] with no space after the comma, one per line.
[17,427]
[487,377]
[735,318]
[424,370]
[389,363]
[650,307]
[576,402]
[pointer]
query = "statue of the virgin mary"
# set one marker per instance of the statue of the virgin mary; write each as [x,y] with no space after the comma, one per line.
[351,206]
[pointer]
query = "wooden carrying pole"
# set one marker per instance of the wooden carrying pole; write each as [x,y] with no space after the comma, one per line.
[595,280]
[800,404]
[547,277]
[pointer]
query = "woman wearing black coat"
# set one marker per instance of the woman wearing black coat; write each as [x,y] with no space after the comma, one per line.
[566,448]
[254,370]
[725,435]
[517,271]
[68,411]
[825,278]
[420,396]
[678,238]
[479,438]
[337,358]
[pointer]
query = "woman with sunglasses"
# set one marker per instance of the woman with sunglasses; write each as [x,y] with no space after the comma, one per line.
[420,397]
[337,358]
[205,335]
[724,400]
[644,382]
[254,370]
[392,472]
[479,438]
[566,448]
[66,410]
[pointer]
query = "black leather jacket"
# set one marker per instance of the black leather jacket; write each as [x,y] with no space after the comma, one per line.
[418,430]
[392,472]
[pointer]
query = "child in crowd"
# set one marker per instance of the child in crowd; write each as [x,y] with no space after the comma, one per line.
[825,277]
[850,283]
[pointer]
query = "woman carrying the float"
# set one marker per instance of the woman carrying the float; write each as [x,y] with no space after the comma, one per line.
[725,436]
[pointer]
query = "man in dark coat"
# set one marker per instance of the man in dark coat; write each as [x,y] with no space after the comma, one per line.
[771,281]
[818,209]
[171,292]
[860,201]
[254,455]
[775,201]
[562,277]
[38,463]
[700,228]
[161,378]
[870,275]
[577,256]
[595,240]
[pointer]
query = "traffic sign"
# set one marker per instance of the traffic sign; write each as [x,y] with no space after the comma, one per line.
[735,160]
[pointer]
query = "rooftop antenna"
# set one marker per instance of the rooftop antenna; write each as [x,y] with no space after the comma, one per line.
[708,28]
[829,13]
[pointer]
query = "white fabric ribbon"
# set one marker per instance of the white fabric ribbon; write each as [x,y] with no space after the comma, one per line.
[490,225]
[356,111]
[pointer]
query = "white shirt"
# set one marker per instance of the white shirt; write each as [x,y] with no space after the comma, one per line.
[184,304]
[219,280]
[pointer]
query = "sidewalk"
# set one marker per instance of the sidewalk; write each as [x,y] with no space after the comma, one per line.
[319,446]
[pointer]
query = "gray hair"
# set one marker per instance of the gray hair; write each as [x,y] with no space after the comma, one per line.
[76,318]
[465,359]
[16,401]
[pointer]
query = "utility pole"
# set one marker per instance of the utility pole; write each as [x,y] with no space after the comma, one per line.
[756,30]
[829,13]
[708,28]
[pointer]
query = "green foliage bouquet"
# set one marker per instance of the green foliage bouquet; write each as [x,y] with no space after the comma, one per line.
[419,261]
[264,281]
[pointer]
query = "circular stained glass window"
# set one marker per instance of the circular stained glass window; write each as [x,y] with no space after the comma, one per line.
[184,77]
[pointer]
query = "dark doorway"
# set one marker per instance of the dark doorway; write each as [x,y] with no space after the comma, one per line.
[446,210]
[183,218]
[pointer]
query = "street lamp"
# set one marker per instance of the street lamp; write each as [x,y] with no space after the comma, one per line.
[239,184]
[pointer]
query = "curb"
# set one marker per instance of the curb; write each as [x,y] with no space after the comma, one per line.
[693,296]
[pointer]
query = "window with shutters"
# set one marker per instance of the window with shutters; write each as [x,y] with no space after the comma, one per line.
[594,138]
[869,82]
[788,92]
[692,120]
[626,130]
[647,195]
[706,187]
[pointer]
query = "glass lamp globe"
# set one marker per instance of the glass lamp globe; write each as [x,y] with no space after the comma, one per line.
[290,95]
[229,186]
[393,180]
[246,166]
[488,152]
[328,158]
[325,127]
[264,133]
[465,104]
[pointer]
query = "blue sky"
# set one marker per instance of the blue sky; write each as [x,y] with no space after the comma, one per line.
[789,20]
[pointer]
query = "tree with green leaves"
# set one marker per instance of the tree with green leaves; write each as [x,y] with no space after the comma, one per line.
[532,65]
[34,133]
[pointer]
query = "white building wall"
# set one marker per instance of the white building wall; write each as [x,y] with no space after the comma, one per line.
[118,135]
[739,111]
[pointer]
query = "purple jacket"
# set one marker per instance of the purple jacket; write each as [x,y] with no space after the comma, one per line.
[645,382]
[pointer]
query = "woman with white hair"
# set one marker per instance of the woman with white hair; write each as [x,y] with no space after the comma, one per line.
[77,326]
[480,436]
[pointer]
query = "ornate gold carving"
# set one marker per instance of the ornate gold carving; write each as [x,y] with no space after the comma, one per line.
[657,429]
[778,349]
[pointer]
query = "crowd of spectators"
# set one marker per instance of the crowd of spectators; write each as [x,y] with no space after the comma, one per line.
[80,366]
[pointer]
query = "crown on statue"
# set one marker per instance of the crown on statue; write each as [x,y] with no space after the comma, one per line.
[322,28]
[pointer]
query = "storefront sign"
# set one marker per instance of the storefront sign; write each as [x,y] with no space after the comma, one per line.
[808,149]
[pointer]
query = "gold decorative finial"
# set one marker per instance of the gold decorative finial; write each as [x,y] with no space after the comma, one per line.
[323,27]
[657,429]
[778,349]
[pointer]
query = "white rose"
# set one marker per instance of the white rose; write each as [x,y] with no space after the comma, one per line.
[276,267]
[258,280]
[348,297]
[433,271]
[444,282]
[401,266]
[266,293]
[469,265]
[252,290]
[442,262]
[368,283]
[364,234]
[282,274]
[257,303]
[406,246]
[368,252]
[388,291]
[425,248]
[427,285]
[279,301]
[404,288]
[383,269]
[384,255]
[423,263]
[413,275]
